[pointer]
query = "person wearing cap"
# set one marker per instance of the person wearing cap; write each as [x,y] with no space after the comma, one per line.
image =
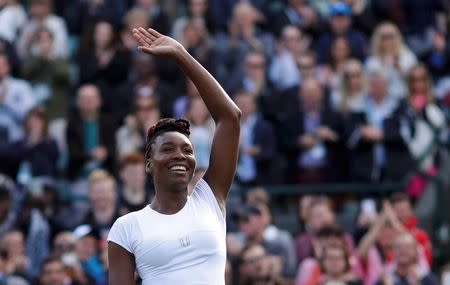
[341,26]
[87,251]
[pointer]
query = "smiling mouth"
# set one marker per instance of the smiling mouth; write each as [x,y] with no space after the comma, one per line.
[178,168]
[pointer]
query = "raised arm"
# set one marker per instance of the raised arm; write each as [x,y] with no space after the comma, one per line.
[226,114]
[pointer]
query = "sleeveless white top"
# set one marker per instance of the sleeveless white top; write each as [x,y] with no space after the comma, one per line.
[184,248]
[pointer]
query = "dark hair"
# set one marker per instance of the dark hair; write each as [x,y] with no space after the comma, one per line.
[163,126]
[330,231]
[399,197]
[48,260]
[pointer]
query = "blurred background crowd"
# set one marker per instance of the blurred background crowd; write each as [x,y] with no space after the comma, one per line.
[339,100]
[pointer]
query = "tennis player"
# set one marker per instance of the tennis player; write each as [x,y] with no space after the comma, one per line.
[179,238]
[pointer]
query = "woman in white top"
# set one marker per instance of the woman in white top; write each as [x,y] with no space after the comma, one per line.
[179,238]
[390,54]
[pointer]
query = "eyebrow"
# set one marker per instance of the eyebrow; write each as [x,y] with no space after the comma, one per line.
[174,144]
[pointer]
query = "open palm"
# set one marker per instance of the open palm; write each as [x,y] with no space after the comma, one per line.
[152,42]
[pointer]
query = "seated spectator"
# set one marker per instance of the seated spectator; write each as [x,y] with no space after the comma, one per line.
[243,36]
[319,215]
[102,198]
[133,194]
[331,72]
[16,96]
[13,246]
[341,26]
[144,80]
[53,272]
[41,15]
[197,41]
[202,131]
[134,18]
[12,19]
[197,10]
[403,211]
[63,244]
[130,137]
[103,62]
[90,135]
[80,15]
[350,96]
[392,56]
[252,225]
[49,76]
[288,101]
[87,250]
[283,70]
[375,248]
[9,278]
[36,232]
[311,270]
[257,267]
[423,123]
[310,137]
[37,149]
[297,13]
[377,152]
[258,145]
[437,59]
[407,270]
[335,263]
[253,80]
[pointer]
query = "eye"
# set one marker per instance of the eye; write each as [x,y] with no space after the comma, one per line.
[189,150]
[167,149]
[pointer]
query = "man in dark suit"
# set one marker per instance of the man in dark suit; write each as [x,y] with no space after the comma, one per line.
[90,135]
[377,150]
[258,147]
[310,137]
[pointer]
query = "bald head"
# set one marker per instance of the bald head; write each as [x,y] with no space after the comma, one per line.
[311,94]
[88,100]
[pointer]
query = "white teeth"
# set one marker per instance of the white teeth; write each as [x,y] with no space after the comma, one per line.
[178,168]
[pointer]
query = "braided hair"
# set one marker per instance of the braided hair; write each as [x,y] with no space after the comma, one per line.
[163,126]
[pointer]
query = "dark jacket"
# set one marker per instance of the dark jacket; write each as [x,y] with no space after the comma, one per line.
[78,155]
[362,152]
[264,136]
[293,126]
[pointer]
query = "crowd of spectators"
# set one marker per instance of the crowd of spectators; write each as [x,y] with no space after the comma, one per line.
[354,91]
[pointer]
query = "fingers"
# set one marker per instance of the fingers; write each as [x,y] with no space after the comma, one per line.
[147,34]
[154,33]
[140,39]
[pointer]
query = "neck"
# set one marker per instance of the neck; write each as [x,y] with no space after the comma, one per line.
[134,195]
[89,116]
[403,269]
[104,215]
[257,238]
[169,202]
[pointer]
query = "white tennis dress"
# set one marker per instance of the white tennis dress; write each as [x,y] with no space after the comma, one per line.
[184,248]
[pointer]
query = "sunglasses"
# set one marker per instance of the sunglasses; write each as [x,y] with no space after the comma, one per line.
[145,108]
[387,36]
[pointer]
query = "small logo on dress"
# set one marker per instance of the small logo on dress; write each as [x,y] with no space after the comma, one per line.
[185,241]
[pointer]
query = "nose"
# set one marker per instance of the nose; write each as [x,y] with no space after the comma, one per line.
[178,154]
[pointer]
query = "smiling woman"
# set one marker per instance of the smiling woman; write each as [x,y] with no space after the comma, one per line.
[179,238]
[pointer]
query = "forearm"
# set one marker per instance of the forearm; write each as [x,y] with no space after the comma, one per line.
[216,99]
